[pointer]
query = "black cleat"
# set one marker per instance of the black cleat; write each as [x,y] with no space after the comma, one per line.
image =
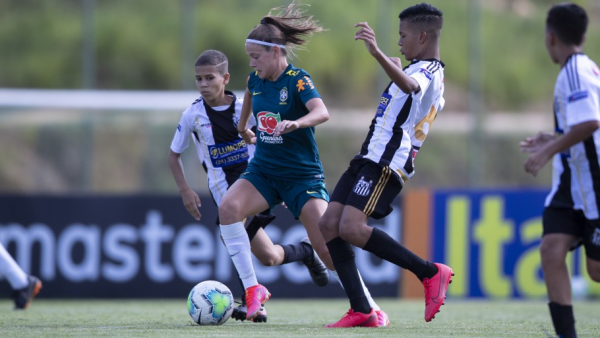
[318,270]
[239,313]
[24,296]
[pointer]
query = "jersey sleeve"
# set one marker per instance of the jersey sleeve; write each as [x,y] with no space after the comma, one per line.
[181,140]
[582,102]
[424,78]
[305,87]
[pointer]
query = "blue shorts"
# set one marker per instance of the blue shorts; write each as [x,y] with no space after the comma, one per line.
[294,192]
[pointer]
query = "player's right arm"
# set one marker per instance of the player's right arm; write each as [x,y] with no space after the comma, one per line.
[180,142]
[391,66]
[191,200]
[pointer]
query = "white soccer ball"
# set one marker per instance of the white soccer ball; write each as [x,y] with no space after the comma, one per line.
[579,287]
[210,303]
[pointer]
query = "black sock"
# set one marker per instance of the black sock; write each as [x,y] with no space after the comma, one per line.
[296,252]
[342,256]
[563,320]
[385,247]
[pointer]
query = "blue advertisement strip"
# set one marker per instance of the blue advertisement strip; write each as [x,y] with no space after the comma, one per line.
[491,240]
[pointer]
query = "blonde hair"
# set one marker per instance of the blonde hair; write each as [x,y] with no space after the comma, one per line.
[288,28]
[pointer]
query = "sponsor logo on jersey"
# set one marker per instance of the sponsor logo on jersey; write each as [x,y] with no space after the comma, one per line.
[383,103]
[179,127]
[256,93]
[271,139]
[309,82]
[305,81]
[300,85]
[579,95]
[596,71]
[228,153]
[292,72]
[426,73]
[596,237]
[362,187]
[283,94]
[267,121]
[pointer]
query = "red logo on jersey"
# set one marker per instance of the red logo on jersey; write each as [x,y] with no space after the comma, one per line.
[267,121]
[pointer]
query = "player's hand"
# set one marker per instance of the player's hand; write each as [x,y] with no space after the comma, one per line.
[536,161]
[285,127]
[249,137]
[366,34]
[192,203]
[396,61]
[536,143]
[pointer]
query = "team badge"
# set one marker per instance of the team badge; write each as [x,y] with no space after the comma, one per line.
[362,187]
[283,94]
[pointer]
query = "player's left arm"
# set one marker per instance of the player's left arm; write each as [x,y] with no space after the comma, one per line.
[391,66]
[576,134]
[317,114]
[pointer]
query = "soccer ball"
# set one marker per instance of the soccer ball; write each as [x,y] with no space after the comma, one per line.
[579,287]
[210,303]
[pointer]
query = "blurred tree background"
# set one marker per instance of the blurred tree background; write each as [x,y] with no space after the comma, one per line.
[152,45]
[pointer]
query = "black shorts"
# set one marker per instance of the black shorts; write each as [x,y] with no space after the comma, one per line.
[369,187]
[574,222]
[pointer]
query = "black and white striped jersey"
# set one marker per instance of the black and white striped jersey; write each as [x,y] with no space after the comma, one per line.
[402,120]
[576,172]
[222,151]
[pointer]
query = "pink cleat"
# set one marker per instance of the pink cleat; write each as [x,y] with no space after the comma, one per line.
[435,290]
[382,318]
[256,296]
[356,319]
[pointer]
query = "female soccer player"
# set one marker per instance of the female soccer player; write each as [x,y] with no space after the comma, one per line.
[286,165]
[211,121]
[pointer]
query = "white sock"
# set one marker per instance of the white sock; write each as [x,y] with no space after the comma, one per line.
[367,293]
[9,268]
[238,245]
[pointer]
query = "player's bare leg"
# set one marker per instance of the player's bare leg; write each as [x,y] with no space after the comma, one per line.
[310,216]
[554,249]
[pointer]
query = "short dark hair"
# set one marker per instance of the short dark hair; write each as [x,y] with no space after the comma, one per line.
[213,58]
[569,21]
[425,14]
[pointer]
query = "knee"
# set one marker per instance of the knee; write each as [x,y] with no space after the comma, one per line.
[551,253]
[349,232]
[327,224]
[229,210]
